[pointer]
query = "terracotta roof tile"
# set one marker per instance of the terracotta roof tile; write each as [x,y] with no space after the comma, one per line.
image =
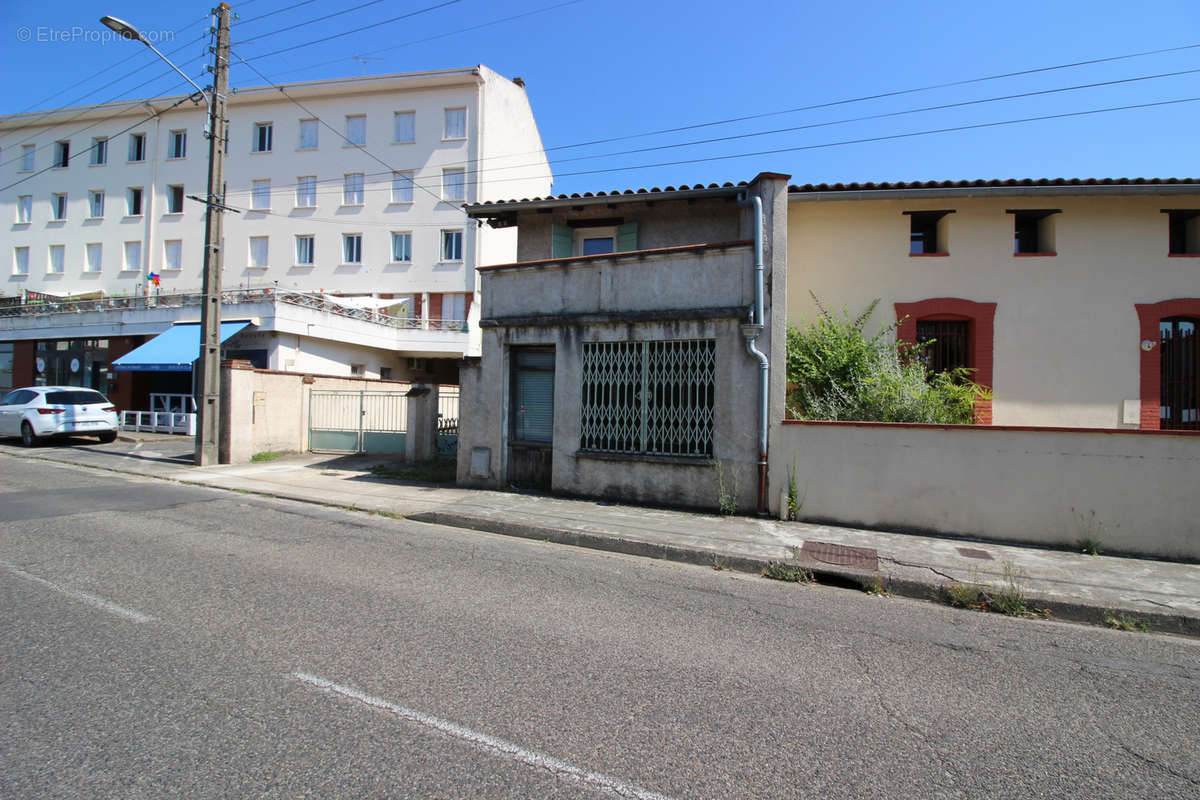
[614,193]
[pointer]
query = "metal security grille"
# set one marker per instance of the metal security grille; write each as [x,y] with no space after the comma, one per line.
[655,398]
[1180,395]
[948,343]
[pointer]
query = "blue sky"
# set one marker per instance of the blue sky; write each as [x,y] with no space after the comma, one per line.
[602,69]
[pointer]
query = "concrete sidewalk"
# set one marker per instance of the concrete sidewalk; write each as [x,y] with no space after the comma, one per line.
[1069,585]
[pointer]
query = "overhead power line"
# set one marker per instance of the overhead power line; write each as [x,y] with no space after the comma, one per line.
[337,13]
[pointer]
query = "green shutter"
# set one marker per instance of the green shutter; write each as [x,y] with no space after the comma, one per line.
[562,242]
[627,237]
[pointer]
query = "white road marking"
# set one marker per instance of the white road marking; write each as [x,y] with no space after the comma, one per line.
[489,743]
[90,599]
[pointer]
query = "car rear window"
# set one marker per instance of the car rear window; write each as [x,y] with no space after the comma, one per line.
[80,398]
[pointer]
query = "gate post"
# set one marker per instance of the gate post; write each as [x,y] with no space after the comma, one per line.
[420,438]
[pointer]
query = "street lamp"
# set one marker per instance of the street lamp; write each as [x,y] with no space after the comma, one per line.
[209,427]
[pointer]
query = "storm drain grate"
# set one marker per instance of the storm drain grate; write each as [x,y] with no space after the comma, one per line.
[841,555]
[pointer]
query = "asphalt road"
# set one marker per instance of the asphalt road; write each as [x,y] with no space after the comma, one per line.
[169,641]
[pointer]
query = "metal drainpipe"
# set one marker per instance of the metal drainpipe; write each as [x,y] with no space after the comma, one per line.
[751,332]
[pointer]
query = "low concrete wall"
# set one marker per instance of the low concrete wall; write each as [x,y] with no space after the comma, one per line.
[1134,491]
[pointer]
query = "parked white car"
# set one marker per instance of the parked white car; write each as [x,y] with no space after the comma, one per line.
[34,412]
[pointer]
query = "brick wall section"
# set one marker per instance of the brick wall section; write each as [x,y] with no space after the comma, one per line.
[982,317]
[435,306]
[23,373]
[1150,361]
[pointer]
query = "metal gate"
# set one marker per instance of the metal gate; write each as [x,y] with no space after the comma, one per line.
[357,422]
[447,421]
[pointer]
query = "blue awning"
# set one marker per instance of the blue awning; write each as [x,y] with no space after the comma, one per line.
[173,350]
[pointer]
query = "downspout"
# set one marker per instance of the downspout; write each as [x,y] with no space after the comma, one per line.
[751,332]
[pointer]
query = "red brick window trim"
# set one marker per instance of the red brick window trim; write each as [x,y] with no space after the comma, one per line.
[982,317]
[1150,360]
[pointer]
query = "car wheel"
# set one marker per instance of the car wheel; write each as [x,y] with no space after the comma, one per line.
[28,437]
[108,436]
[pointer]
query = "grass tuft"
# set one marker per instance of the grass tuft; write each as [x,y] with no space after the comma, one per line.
[439,470]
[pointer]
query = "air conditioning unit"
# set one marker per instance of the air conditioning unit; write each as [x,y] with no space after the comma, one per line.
[418,365]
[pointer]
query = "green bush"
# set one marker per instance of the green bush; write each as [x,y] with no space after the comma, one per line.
[836,372]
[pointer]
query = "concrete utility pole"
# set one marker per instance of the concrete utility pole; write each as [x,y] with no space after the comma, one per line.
[208,431]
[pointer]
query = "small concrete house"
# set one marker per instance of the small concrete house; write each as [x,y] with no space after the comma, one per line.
[634,350]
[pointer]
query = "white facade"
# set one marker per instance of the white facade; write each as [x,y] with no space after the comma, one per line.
[353,186]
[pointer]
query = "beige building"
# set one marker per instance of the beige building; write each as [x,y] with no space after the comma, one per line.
[1077,302]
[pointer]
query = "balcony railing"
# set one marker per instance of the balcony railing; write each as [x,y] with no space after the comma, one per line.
[41,306]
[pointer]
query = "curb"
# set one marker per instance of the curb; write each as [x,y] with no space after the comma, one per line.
[1061,610]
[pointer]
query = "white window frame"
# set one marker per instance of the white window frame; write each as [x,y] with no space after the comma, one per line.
[96,204]
[312,126]
[20,261]
[356,137]
[352,189]
[141,201]
[260,194]
[171,208]
[172,247]
[177,144]
[309,248]
[306,190]
[99,155]
[24,209]
[58,207]
[263,134]
[601,232]
[56,266]
[28,152]
[402,187]
[258,255]
[406,237]
[448,236]
[137,147]
[449,184]
[135,247]
[352,247]
[90,263]
[447,134]
[410,127]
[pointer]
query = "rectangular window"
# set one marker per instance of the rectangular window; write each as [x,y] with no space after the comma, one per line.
[25,209]
[402,187]
[454,183]
[96,204]
[95,253]
[927,233]
[62,154]
[260,195]
[356,129]
[452,245]
[173,254]
[653,398]
[99,150]
[304,251]
[58,255]
[133,257]
[261,142]
[177,144]
[1033,232]
[20,261]
[306,191]
[1179,392]
[133,201]
[308,134]
[58,207]
[402,247]
[1183,232]
[137,147]
[258,251]
[456,123]
[454,307]
[352,189]
[405,127]
[352,248]
[175,199]
[27,152]
[946,344]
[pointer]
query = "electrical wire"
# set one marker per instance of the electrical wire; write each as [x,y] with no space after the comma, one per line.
[278,31]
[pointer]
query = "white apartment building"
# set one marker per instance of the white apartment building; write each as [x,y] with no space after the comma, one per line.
[349,187]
